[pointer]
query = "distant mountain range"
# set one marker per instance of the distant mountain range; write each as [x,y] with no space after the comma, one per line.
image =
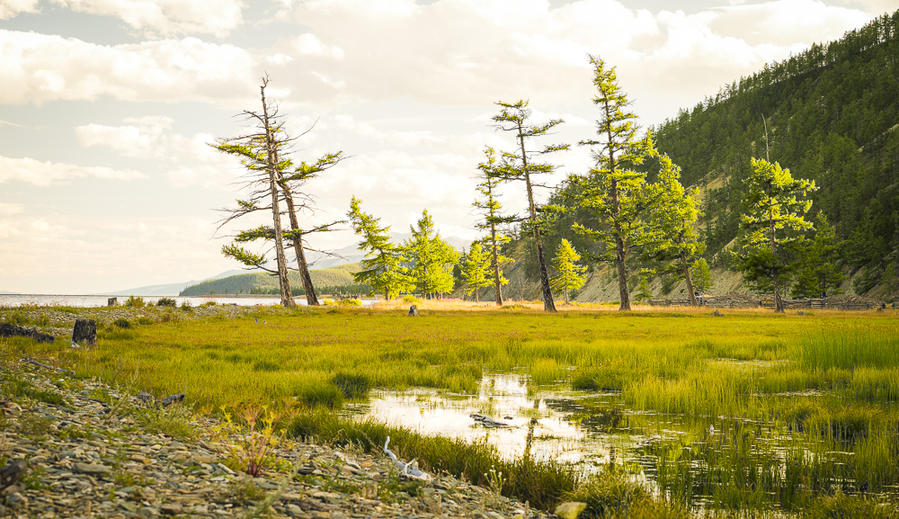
[169,289]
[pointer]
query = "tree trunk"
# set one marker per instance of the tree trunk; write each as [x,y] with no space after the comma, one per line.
[683,262]
[311,298]
[620,253]
[567,296]
[778,302]
[622,276]
[496,281]
[548,304]
[283,281]
[477,297]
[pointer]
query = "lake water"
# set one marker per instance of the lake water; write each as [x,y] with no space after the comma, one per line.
[13,300]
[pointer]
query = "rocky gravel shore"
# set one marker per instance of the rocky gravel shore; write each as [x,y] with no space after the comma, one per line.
[94,451]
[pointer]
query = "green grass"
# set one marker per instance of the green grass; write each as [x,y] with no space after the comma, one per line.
[827,383]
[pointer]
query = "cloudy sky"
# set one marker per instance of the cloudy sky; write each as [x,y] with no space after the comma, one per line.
[107,108]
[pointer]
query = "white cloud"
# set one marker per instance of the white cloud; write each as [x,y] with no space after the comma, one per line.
[8,209]
[45,173]
[185,160]
[39,67]
[167,17]
[474,51]
[308,44]
[10,8]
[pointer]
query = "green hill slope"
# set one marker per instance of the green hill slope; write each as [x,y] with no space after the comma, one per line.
[331,280]
[832,115]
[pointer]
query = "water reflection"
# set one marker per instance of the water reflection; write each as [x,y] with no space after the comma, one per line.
[538,425]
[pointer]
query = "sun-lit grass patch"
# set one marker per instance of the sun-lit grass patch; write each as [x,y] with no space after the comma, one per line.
[826,385]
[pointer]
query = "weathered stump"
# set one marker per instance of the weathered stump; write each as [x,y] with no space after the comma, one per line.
[112,301]
[84,332]
[413,311]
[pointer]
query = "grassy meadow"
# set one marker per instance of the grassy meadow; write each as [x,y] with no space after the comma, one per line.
[803,408]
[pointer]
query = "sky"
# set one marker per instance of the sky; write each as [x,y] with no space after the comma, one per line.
[108,107]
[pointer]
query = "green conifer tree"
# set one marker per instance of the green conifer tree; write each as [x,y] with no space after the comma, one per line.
[493,221]
[522,165]
[672,224]
[476,270]
[383,268]
[431,258]
[570,274]
[614,190]
[644,293]
[772,225]
[701,275]
[819,273]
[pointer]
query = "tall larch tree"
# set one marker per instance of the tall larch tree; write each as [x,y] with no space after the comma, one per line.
[493,221]
[383,267]
[476,270]
[524,165]
[614,189]
[431,258]
[259,154]
[773,224]
[672,224]
[570,274]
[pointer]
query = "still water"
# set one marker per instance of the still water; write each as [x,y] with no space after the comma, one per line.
[12,300]
[706,461]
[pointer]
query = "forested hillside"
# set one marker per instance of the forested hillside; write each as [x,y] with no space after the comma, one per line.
[335,280]
[832,115]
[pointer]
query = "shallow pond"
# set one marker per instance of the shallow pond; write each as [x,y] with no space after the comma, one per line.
[703,461]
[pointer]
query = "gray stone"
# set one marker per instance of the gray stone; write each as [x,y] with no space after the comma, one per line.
[170,509]
[93,469]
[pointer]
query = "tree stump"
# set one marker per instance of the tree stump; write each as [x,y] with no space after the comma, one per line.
[413,311]
[112,301]
[85,332]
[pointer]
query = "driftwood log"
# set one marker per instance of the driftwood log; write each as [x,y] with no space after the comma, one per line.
[11,330]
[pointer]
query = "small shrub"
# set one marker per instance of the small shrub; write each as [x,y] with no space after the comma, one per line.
[144,320]
[121,322]
[350,301]
[166,301]
[207,304]
[135,302]
[411,299]
[186,306]
[251,447]
[352,385]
